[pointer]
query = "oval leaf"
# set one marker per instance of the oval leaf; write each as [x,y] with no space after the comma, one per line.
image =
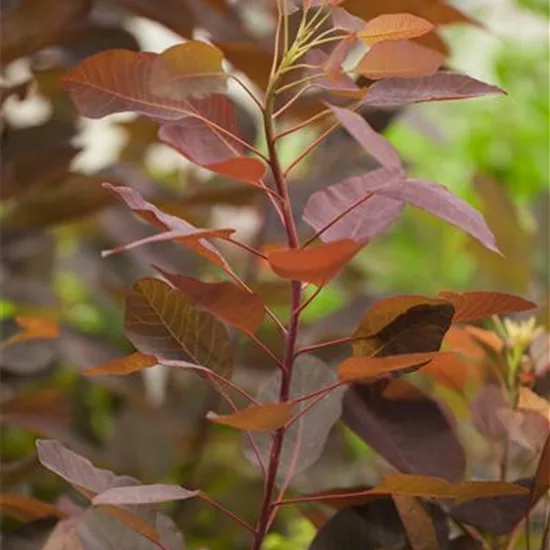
[403,324]
[395,26]
[191,69]
[471,306]
[263,418]
[316,265]
[399,58]
[442,86]
[159,320]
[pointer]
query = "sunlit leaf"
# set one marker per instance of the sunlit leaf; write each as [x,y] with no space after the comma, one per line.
[159,320]
[175,228]
[25,508]
[265,418]
[34,328]
[142,494]
[471,306]
[316,265]
[124,365]
[192,69]
[226,300]
[449,370]
[394,27]
[412,432]
[355,369]
[117,81]
[442,86]
[399,58]
[305,439]
[403,324]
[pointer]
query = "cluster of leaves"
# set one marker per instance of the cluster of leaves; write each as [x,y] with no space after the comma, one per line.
[189,324]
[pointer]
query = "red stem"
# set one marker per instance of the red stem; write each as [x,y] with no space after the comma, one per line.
[316,347]
[206,498]
[267,506]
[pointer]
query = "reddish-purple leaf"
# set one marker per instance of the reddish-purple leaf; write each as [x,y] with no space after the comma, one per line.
[439,201]
[442,86]
[305,438]
[376,145]
[411,432]
[175,228]
[77,470]
[143,494]
[204,146]
[369,214]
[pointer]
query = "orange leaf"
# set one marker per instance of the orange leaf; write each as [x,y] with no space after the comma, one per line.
[34,328]
[394,27]
[486,337]
[421,486]
[27,509]
[317,265]
[249,59]
[449,371]
[355,369]
[124,365]
[399,58]
[528,400]
[417,523]
[265,418]
[470,306]
[226,300]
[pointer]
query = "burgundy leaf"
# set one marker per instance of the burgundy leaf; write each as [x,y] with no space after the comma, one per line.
[367,219]
[205,146]
[409,430]
[376,145]
[392,92]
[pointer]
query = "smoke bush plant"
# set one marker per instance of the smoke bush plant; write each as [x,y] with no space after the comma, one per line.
[181,322]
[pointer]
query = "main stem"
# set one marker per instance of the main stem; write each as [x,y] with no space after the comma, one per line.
[267,506]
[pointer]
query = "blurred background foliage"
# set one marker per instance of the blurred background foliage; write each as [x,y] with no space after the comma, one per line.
[492,152]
